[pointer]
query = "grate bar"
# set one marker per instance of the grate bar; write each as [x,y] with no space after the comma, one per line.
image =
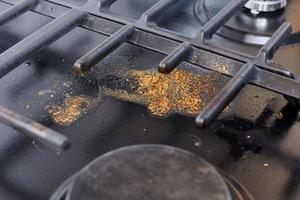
[175,58]
[245,74]
[16,10]
[86,62]
[40,39]
[214,24]
[225,96]
[269,49]
[104,5]
[35,130]
[156,10]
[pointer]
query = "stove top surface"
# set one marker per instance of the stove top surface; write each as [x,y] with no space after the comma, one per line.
[255,141]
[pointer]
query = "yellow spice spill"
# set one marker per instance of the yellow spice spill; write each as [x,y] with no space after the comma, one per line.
[178,92]
[71,109]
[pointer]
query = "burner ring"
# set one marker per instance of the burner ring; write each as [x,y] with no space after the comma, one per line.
[61,192]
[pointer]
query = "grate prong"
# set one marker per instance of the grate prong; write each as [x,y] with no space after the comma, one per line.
[86,62]
[104,5]
[174,58]
[225,96]
[35,130]
[155,11]
[40,39]
[16,10]
[268,50]
[213,25]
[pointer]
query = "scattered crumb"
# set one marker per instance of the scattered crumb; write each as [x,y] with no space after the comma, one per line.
[279,115]
[197,144]
[44,92]
[266,165]
[223,68]
[67,84]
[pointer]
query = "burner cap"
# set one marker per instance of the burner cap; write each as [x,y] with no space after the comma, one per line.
[266,5]
[149,172]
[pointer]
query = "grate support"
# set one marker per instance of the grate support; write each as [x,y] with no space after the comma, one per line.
[246,73]
[101,51]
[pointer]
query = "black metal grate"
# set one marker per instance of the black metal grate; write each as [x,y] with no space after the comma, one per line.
[200,51]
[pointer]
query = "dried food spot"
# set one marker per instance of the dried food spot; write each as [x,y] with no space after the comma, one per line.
[177,92]
[71,109]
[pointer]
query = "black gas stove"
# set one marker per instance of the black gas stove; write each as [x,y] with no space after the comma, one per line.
[149,99]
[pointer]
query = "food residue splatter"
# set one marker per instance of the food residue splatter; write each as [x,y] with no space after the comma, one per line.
[222,68]
[70,110]
[181,91]
[44,92]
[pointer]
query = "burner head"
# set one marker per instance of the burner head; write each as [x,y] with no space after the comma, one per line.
[149,172]
[266,5]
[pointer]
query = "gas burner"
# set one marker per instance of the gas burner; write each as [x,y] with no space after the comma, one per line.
[150,172]
[246,26]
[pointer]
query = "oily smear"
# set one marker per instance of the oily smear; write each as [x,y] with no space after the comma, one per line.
[181,91]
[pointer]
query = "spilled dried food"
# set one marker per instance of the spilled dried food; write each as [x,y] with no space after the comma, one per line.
[71,109]
[181,91]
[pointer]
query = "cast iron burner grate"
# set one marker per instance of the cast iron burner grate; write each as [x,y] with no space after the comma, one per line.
[200,51]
